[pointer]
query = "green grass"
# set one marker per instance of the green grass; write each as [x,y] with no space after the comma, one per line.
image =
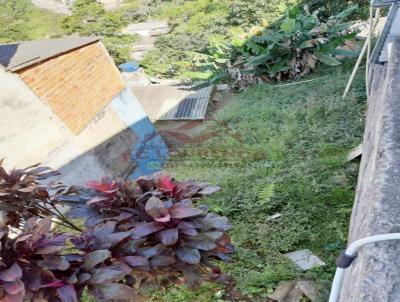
[291,161]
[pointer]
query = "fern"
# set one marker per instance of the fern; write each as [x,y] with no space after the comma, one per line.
[265,195]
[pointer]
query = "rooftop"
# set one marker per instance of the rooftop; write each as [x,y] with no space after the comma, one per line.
[164,102]
[17,56]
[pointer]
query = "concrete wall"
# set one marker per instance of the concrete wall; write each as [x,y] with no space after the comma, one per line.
[375,274]
[111,145]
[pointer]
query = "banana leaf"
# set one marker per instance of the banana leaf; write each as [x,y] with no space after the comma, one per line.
[326,59]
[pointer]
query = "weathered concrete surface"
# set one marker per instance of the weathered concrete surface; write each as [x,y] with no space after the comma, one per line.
[120,141]
[375,274]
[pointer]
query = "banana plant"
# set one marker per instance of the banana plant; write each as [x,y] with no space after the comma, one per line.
[296,43]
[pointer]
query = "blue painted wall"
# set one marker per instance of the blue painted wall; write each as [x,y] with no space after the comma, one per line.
[150,151]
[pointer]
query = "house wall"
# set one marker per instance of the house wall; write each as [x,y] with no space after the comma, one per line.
[76,85]
[110,145]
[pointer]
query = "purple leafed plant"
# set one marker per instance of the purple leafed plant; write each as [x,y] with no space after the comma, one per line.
[137,234]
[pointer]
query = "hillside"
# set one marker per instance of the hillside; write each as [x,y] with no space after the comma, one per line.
[290,160]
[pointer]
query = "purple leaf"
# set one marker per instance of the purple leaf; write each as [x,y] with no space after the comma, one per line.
[156,209]
[82,278]
[11,274]
[188,255]
[104,229]
[169,236]
[213,235]
[67,293]
[95,257]
[13,287]
[201,244]
[189,232]
[113,239]
[177,212]
[80,212]
[135,260]
[96,199]
[213,221]
[33,280]
[151,251]
[161,260]
[113,291]
[189,225]
[107,274]
[54,262]
[146,229]
[95,219]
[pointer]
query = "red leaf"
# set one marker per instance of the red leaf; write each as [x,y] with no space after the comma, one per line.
[11,274]
[146,229]
[165,183]
[169,236]
[104,187]
[54,284]
[67,293]
[177,212]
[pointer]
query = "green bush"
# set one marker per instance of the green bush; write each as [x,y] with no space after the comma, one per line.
[90,18]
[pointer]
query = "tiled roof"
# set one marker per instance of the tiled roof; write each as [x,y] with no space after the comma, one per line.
[23,54]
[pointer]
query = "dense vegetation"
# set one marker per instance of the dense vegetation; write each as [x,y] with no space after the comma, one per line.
[135,234]
[288,49]
[196,24]
[290,160]
[20,21]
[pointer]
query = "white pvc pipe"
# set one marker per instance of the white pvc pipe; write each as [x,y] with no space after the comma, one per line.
[352,250]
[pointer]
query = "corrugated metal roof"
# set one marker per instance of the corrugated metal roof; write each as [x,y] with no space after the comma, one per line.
[16,56]
[162,102]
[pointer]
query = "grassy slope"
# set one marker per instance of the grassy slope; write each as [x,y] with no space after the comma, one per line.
[305,132]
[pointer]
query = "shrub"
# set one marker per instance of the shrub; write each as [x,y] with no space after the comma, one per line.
[295,44]
[288,49]
[137,234]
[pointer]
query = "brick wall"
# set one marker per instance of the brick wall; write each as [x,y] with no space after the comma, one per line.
[77,85]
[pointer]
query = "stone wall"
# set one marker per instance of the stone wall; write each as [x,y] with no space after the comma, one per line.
[375,274]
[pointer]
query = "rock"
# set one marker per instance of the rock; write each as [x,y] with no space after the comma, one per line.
[305,259]
[295,291]
[282,290]
[309,290]
[272,217]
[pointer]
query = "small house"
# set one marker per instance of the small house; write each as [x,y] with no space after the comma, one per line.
[63,102]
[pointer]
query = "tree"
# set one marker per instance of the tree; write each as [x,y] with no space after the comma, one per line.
[89,18]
